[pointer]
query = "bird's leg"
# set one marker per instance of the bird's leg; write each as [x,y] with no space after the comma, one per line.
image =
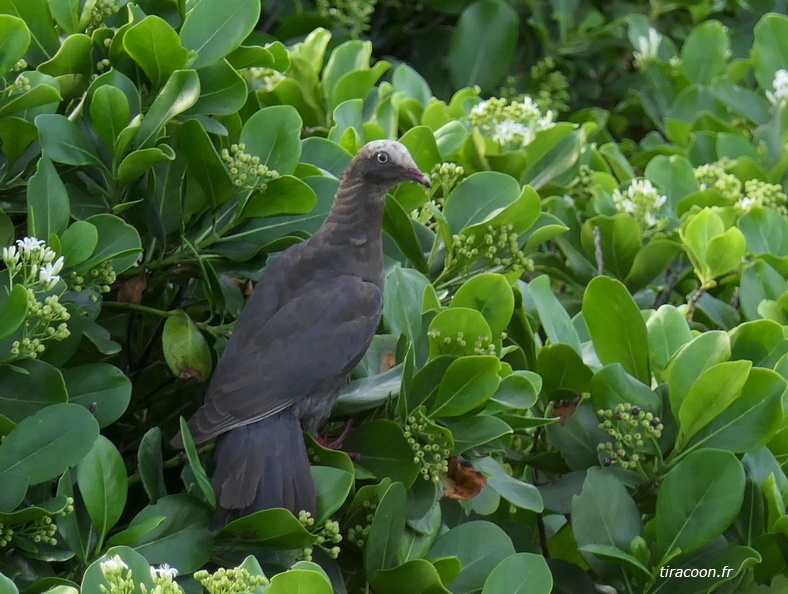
[323,441]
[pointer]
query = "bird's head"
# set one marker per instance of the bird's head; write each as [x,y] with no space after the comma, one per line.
[386,163]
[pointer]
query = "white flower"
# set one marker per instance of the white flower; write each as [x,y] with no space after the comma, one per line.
[479,109]
[507,130]
[780,85]
[113,565]
[163,572]
[10,255]
[746,203]
[647,47]
[29,244]
[48,273]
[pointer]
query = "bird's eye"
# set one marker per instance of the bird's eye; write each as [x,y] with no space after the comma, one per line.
[382,158]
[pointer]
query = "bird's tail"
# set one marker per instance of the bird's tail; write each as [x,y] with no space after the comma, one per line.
[260,466]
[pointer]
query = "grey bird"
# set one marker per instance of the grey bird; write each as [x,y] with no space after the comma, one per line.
[308,322]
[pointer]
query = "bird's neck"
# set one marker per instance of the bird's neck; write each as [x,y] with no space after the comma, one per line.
[353,220]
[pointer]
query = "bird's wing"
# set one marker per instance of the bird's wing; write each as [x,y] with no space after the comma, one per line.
[316,337]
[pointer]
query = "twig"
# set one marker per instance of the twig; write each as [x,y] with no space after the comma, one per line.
[600,261]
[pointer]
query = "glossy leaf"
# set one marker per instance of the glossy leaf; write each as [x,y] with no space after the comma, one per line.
[213,38]
[153,44]
[13,311]
[273,134]
[101,476]
[16,39]
[185,349]
[468,383]
[101,388]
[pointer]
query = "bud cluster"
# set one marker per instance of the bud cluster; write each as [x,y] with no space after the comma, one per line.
[581,188]
[498,246]
[358,534]
[20,85]
[98,279]
[431,448]
[246,170]
[482,345]
[353,15]
[265,78]
[629,426]
[227,581]
[760,193]
[117,575]
[446,175]
[102,9]
[327,535]
[714,176]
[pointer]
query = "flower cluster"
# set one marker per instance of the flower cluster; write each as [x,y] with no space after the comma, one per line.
[327,535]
[780,85]
[117,575]
[630,427]
[714,176]
[100,11]
[265,78]
[446,175]
[430,446]
[581,188]
[245,170]
[643,201]
[227,581]
[98,279]
[482,345]
[163,579]
[760,193]
[20,85]
[647,48]
[510,124]
[498,246]
[353,15]
[34,266]
[358,534]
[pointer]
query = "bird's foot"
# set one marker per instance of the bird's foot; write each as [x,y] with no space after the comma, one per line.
[332,445]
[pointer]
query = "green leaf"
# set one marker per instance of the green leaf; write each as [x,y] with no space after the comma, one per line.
[204,163]
[765,231]
[386,530]
[616,326]
[751,420]
[64,142]
[384,450]
[667,333]
[562,368]
[468,383]
[455,330]
[475,431]
[273,134]
[704,351]
[491,295]
[519,493]
[29,386]
[182,539]
[482,44]
[179,93]
[109,113]
[14,311]
[555,320]
[333,486]
[273,528]
[16,135]
[620,241]
[73,58]
[402,298]
[416,576]
[604,514]
[615,555]
[185,349]
[154,45]
[214,28]
[195,465]
[16,40]
[151,466]
[47,201]
[295,581]
[710,394]
[285,195]
[42,446]
[478,197]
[14,490]
[770,48]
[519,389]
[611,386]
[480,546]
[697,500]
[222,90]
[100,387]
[725,252]
[138,163]
[101,476]
[528,571]
[117,241]
[705,52]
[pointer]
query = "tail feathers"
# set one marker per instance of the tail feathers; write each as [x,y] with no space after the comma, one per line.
[260,466]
